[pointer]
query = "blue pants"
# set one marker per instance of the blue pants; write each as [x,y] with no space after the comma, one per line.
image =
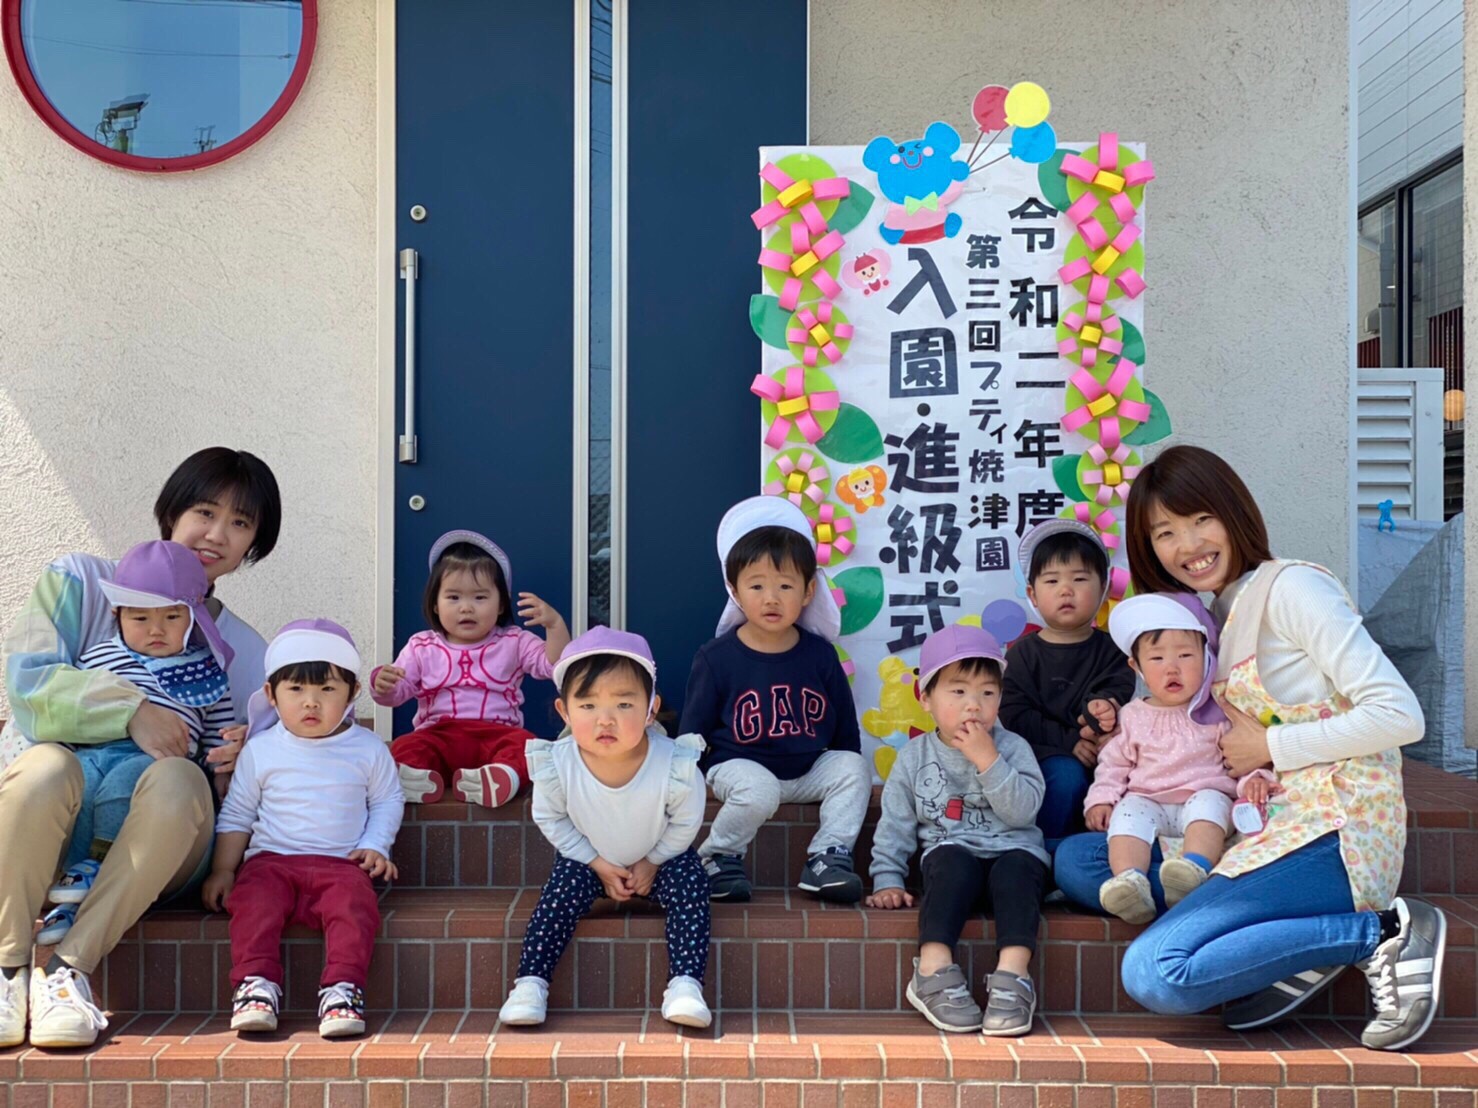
[1061,813]
[681,887]
[1237,935]
[109,773]
[1080,865]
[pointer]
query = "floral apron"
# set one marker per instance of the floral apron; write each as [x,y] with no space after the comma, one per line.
[1361,798]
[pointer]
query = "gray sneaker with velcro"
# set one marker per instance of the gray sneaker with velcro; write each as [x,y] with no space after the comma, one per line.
[944,999]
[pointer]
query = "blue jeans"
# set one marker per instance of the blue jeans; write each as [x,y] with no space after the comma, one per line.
[1080,865]
[1061,812]
[109,773]
[1237,935]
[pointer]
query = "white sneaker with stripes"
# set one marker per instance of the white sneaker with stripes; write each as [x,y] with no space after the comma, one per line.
[1405,976]
[1279,1000]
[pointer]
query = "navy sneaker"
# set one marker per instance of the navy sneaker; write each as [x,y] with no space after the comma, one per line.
[830,876]
[726,878]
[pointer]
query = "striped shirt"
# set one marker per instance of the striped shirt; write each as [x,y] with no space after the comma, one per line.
[205,724]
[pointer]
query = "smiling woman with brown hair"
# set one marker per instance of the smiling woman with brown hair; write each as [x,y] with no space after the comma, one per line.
[222,505]
[1311,695]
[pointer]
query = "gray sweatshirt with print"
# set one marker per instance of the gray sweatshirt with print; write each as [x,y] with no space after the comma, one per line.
[934,796]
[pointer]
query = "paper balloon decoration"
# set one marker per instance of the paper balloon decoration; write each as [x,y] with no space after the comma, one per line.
[989,108]
[1034,145]
[1004,619]
[1027,104]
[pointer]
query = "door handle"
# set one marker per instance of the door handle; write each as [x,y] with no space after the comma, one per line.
[410,267]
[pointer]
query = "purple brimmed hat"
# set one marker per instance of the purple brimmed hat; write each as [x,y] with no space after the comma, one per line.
[605,640]
[161,574]
[954,644]
[302,640]
[1171,611]
[822,616]
[483,543]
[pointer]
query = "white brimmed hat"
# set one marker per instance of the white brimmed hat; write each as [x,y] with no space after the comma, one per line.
[822,616]
[302,640]
[1171,611]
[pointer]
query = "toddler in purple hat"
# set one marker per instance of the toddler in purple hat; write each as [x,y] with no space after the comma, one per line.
[168,646]
[621,803]
[967,793]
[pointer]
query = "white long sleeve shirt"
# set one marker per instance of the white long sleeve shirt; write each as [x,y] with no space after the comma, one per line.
[314,796]
[1312,644]
[656,815]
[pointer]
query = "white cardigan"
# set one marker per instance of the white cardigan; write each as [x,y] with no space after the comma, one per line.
[1312,643]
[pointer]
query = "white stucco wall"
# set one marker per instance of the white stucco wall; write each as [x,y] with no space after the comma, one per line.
[1245,110]
[147,315]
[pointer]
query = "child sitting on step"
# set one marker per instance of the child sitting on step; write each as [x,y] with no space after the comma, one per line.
[466,674]
[968,792]
[167,646]
[621,803]
[313,808]
[1163,774]
[771,699]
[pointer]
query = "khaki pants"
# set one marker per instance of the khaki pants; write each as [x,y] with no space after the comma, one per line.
[163,842]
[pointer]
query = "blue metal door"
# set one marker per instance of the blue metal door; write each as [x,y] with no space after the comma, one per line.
[486,104]
[485,141]
[709,84]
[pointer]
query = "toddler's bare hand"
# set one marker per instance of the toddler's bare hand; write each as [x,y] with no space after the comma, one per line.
[1097,817]
[890,898]
[375,864]
[386,678]
[615,879]
[1086,751]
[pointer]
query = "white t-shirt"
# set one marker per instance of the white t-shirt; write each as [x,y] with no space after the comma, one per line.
[314,796]
[656,815]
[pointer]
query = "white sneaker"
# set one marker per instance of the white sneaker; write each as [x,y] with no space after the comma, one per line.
[1180,877]
[62,1011]
[1127,895]
[528,1003]
[683,1003]
[490,786]
[14,995]
[420,786]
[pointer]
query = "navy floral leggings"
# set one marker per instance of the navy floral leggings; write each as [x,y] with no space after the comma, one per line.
[681,887]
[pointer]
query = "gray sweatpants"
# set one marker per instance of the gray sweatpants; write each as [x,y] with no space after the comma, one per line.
[750,793]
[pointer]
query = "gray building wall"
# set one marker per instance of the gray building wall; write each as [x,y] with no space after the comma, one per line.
[1245,110]
[1409,59]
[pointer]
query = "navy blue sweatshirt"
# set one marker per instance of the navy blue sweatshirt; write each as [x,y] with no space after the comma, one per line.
[782,711]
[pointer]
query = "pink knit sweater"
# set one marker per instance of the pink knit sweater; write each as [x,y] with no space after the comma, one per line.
[482,681]
[1162,754]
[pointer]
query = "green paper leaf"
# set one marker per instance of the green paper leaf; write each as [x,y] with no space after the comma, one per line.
[1133,342]
[852,209]
[769,320]
[1052,181]
[1153,429]
[1065,470]
[854,437]
[863,587]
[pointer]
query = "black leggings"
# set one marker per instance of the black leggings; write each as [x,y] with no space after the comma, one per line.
[957,885]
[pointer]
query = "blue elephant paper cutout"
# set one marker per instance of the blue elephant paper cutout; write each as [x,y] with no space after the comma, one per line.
[921,178]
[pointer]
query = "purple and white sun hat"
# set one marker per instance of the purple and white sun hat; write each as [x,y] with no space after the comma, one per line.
[483,543]
[822,616]
[302,640]
[161,574]
[1172,611]
[606,640]
[954,644]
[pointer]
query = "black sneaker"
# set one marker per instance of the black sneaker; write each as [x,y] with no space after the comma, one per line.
[831,877]
[1279,1000]
[1405,975]
[726,878]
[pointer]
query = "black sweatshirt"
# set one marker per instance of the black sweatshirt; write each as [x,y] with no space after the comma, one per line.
[781,710]
[1048,686]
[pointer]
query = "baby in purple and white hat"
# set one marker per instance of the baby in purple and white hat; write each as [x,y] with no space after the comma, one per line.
[167,647]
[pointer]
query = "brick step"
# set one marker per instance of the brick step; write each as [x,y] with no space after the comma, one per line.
[456,949]
[461,845]
[418,1059]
